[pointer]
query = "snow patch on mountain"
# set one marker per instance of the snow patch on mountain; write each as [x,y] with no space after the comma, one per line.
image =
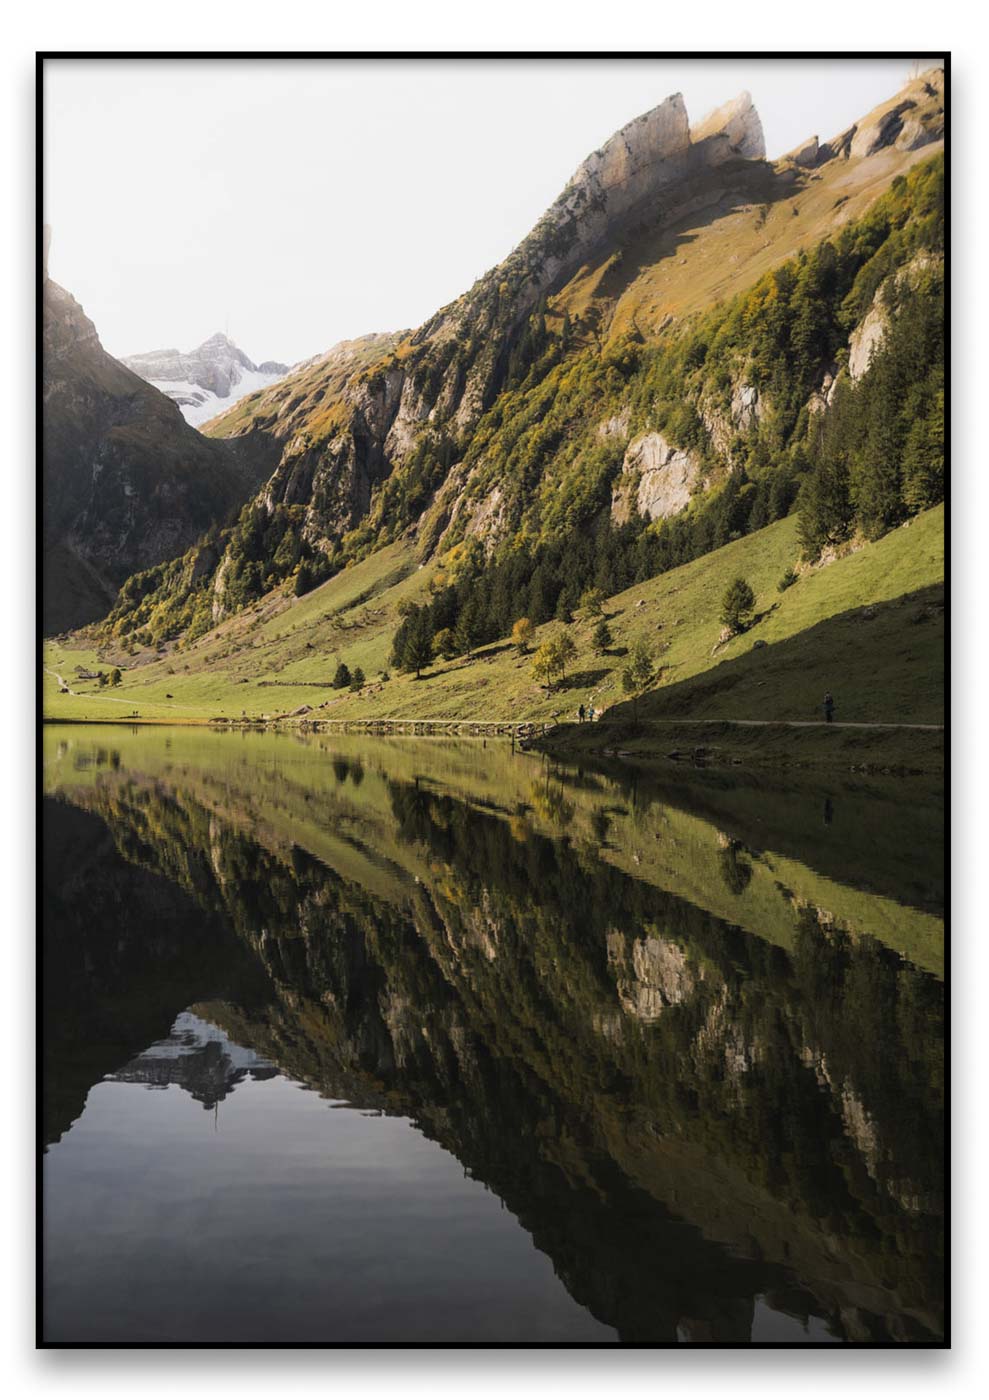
[200,405]
[205,381]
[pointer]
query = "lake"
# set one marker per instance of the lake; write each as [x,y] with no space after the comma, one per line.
[355,1040]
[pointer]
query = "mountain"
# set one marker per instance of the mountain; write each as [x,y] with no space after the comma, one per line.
[691,343]
[127,482]
[207,380]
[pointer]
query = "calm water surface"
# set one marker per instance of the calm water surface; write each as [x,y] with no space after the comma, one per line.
[364,1041]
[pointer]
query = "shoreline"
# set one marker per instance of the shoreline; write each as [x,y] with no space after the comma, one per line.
[900,750]
[888,748]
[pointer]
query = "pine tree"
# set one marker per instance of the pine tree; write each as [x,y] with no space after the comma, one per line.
[737,606]
[356,679]
[417,652]
[826,512]
[341,677]
[465,634]
[923,459]
[602,638]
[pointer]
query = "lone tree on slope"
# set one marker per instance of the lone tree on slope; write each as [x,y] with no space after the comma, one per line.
[737,606]
[638,675]
[418,650]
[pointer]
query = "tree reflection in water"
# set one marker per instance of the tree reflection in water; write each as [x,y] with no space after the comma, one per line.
[696,1122]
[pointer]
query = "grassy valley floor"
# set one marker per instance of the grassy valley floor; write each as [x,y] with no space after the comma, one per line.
[868,626]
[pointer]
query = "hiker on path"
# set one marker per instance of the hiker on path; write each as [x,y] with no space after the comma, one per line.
[590,714]
[580,714]
[828,707]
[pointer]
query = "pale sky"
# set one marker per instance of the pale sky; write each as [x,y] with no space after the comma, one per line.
[296,204]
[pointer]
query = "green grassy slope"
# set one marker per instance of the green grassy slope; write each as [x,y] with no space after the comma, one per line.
[883,666]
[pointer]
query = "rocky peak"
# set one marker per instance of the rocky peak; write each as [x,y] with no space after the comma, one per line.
[806,153]
[652,153]
[733,130]
[206,380]
[221,347]
[636,156]
[913,118]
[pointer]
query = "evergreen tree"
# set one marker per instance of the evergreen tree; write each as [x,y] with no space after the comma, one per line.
[564,606]
[923,459]
[417,651]
[826,512]
[602,638]
[467,631]
[341,676]
[356,678]
[737,606]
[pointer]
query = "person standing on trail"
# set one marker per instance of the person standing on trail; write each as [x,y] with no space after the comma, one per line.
[580,714]
[828,707]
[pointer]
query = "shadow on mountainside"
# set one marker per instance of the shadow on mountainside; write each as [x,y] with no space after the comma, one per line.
[883,663]
[645,238]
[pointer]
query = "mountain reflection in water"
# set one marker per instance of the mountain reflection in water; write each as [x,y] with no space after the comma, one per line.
[493,1050]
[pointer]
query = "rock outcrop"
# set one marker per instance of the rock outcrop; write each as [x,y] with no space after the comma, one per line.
[866,338]
[806,153]
[914,118]
[657,479]
[733,130]
[869,334]
[746,407]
